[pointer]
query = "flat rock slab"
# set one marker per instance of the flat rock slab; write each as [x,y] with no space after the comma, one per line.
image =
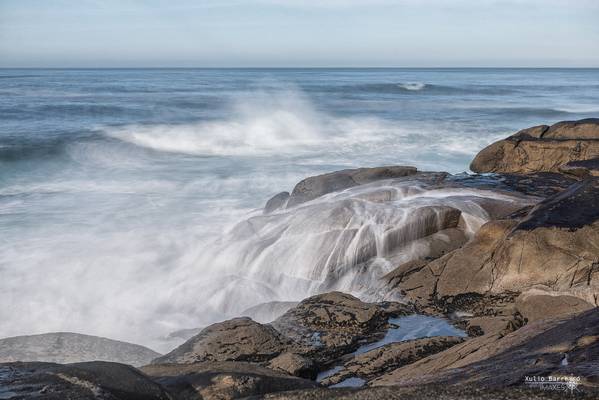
[222,380]
[392,356]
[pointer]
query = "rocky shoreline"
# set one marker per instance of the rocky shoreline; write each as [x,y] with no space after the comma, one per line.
[520,289]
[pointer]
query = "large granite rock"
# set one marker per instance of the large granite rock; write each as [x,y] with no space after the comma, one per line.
[541,148]
[222,380]
[555,244]
[80,381]
[238,339]
[65,347]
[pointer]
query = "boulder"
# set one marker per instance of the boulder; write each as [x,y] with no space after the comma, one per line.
[222,380]
[294,364]
[238,339]
[541,149]
[331,324]
[276,202]
[80,381]
[66,347]
[316,186]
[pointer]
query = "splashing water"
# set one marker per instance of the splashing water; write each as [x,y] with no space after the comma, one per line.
[122,191]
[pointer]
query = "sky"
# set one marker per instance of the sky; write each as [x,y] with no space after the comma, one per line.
[295,33]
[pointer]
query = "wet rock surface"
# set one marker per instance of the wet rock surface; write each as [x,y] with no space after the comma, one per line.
[575,207]
[332,324]
[391,356]
[276,202]
[557,347]
[316,186]
[549,245]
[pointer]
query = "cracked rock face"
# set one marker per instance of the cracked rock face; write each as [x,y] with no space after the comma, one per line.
[541,148]
[238,339]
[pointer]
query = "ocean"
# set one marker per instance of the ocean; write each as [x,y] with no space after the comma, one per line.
[114,182]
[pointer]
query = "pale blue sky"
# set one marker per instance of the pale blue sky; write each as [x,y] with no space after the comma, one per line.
[353,33]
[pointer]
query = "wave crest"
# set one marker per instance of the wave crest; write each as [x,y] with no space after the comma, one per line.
[258,124]
[414,86]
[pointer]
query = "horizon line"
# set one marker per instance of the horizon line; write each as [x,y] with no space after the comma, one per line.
[308,67]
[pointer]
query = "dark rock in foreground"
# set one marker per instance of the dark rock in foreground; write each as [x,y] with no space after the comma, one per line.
[222,380]
[81,381]
[553,347]
[428,392]
[65,347]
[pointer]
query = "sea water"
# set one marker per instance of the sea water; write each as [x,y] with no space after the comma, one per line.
[115,182]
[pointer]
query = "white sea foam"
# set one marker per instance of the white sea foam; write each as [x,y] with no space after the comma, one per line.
[415,86]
